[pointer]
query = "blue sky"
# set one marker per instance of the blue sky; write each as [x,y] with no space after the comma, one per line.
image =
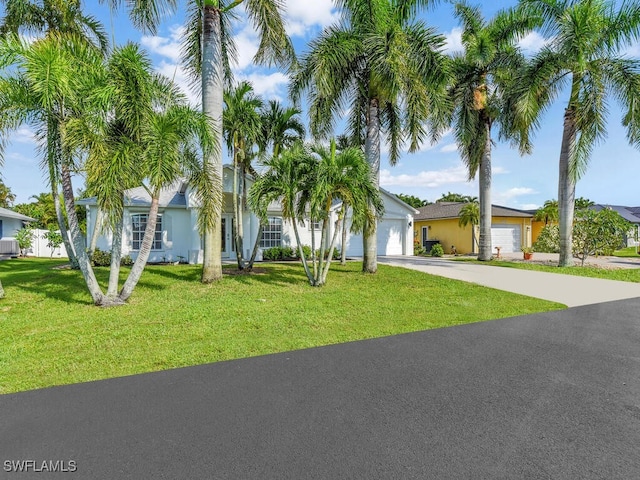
[518,182]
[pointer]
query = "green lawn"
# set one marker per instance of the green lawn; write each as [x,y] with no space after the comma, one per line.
[627,252]
[52,335]
[621,274]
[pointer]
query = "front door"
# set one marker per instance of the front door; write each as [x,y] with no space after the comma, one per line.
[425,236]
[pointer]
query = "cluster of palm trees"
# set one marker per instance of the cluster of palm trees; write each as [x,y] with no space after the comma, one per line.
[380,63]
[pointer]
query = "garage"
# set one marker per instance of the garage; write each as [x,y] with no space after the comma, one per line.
[389,236]
[507,237]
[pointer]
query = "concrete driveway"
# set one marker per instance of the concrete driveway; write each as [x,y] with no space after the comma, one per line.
[569,290]
[546,396]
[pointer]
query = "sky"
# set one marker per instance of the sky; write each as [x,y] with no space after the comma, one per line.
[518,182]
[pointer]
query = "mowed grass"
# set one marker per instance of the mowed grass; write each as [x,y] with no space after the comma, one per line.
[53,335]
[628,252]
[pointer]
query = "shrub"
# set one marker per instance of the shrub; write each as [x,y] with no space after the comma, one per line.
[437,250]
[418,249]
[279,253]
[24,237]
[549,240]
[102,258]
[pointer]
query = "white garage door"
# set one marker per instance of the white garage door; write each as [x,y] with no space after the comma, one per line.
[389,239]
[507,237]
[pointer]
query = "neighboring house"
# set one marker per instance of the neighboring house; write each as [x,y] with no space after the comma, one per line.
[631,215]
[10,223]
[510,228]
[177,236]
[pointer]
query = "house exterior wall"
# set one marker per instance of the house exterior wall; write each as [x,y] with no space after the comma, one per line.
[9,227]
[448,232]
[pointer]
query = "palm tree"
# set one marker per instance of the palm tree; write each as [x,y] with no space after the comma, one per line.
[6,195]
[54,17]
[548,213]
[42,86]
[388,66]
[583,52]
[208,49]
[1,290]
[480,77]
[281,127]
[242,129]
[470,215]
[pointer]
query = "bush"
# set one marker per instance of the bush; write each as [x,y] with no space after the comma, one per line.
[103,259]
[549,240]
[437,250]
[278,253]
[24,237]
[418,249]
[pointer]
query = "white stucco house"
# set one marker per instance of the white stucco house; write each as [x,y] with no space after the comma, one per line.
[177,236]
[10,223]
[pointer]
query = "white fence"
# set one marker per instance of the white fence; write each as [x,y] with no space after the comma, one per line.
[40,248]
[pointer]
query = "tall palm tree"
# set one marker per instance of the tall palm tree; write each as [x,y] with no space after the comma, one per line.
[1,290]
[481,75]
[586,39]
[548,213]
[470,215]
[208,50]
[54,17]
[242,128]
[42,85]
[386,68]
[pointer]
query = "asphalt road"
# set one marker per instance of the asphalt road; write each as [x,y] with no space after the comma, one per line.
[545,396]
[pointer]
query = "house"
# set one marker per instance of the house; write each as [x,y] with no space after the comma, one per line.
[10,223]
[510,228]
[177,236]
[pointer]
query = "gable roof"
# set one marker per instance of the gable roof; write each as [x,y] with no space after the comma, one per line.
[6,213]
[630,214]
[447,210]
[172,196]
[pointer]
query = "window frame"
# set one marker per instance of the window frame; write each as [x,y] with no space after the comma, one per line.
[158,234]
[274,230]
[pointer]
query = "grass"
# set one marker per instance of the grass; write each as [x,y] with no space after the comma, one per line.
[620,274]
[52,335]
[627,252]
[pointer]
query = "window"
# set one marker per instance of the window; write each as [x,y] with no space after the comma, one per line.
[317,226]
[272,233]
[1,235]
[139,225]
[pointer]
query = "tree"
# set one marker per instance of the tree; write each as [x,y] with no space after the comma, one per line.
[24,237]
[308,180]
[6,196]
[583,52]
[412,200]
[482,75]
[470,215]
[281,127]
[242,129]
[598,232]
[386,69]
[1,291]
[456,197]
[548,213]
[208,49]
[54,240]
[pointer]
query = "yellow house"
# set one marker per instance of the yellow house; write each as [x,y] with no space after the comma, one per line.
[438,222]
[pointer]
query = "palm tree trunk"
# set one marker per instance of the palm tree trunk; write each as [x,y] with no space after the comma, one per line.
[485,199]
[76,236]
[96,230]
[62,224]
[343,253]
[212,89]
[304,260]
[116,257]
[143,254]
[1,290]
[256,245]
[323,275]
[237,240]
[372,153]
[566,190]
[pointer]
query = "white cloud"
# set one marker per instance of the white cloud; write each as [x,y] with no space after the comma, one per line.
[450,147]
[532,42]
[168,47]
[518,192]
[529,206]
[180,77]
[24,135]
[269,86]
[427,179]
[453,41]
[509,197]
[302,15]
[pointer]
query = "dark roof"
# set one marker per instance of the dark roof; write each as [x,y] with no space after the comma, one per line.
[630,214]
[442,210]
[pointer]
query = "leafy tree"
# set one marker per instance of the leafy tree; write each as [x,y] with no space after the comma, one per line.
[482,77]
[386,68]
[53,238]
[583,52]
[281,127]
[548,240]
[6,196]
[242,129]
[470,215]
[456,197]
[24,237]
[412,200]
[598,233]
[208,49]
